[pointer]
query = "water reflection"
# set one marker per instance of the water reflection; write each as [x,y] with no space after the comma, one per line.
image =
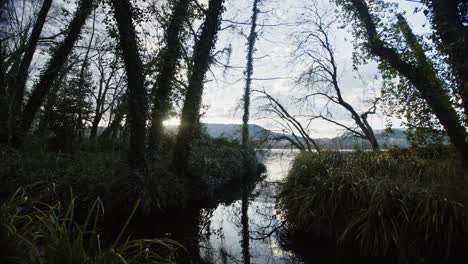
[245,242]
[244,231]
[239,228]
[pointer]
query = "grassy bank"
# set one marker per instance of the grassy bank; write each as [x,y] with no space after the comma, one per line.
[41,221]
[406,203]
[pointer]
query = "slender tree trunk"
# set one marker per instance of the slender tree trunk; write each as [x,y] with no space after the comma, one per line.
[7,82]
[104,86]
[420,76]
[120,111]
[47,78]
[3,100]
[249,72]
[361,121]
[97,111]
[95,125]
[81,81]
[21,75]
[191,108]
[370,133]
[169,59]
[137,102]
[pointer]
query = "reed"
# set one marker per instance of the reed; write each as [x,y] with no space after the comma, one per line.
[383,203]
[37,232]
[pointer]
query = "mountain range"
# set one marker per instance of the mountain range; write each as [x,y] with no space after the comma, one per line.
[395,138]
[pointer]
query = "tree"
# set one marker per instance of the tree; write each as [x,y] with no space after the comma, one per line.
[71,108]
[293,131]
[420,71]
[118,115]
[168,60]
[3,100]
[193,98]
[45,119]
[449,19]
[249,72]
[137,102]
[50,74]
[322,75]
[109,79]
[16,22]
[21,75]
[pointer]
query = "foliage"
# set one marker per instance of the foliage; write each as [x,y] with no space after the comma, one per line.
[37,232]
[72,107]
[388,203]
[99,169]
[86,172]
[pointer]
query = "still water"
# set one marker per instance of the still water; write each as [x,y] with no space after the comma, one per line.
[244,231]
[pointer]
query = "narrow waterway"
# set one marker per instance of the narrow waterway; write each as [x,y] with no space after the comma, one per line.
[244,231]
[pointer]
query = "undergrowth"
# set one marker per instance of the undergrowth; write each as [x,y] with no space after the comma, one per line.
[103,172]
[32,231]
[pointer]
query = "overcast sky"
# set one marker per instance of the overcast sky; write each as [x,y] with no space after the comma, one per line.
[274,49]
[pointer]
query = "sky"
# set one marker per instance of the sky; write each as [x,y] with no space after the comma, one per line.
[274,49]
[274,69]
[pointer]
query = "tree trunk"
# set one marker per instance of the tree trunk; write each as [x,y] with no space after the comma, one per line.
[2,8]
[120,111]
[370,133]
[21,75]
[3,100]
[137,104]
[80,125]
[44,122]
[47,78]
[419,75]
[249,72]
[169,59]
[95,124]
[448,24]
[192,103]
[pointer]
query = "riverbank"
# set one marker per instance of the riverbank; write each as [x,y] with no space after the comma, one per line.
[73,187]
[409,204]
[97,170]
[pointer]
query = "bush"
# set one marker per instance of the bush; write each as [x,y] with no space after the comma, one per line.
[383,203]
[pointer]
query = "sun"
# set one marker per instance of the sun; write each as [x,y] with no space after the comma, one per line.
[172,122]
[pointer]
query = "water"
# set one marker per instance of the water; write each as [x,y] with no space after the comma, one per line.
[244,231]
[247,229]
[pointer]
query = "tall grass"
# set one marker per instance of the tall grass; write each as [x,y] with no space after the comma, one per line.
[387,203]
[37,232]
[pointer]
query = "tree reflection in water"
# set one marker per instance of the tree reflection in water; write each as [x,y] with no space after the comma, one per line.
[245,231]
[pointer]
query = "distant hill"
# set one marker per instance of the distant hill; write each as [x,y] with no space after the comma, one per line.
[395,139]
[232,131]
